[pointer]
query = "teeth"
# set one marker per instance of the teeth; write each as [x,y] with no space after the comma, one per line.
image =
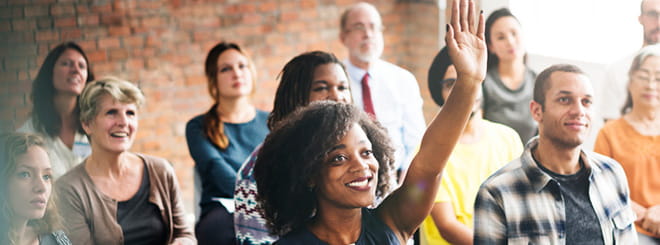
[359,183]
[119,134]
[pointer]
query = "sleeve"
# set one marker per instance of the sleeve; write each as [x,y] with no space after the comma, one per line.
[182,231]
[489,219]
[216,174]
[414,124]
[70,206]
[602,145]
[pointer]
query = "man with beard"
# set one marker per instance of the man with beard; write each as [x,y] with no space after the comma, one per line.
[616,78]
[556,192]
[387,92]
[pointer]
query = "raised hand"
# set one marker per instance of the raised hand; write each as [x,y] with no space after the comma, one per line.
[466,42]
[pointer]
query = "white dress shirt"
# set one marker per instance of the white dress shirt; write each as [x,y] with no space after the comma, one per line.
[614,90]
[397,104]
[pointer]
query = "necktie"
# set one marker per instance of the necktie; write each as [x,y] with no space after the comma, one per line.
[366,96]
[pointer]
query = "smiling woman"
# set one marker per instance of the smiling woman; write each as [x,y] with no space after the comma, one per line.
[116,196]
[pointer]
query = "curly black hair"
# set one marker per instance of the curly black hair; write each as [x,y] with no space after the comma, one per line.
[292,155]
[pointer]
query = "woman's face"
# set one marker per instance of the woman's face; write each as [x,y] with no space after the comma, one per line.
[350,174]
[70,73]
[448,85]
[29,186]
[506,39]
[113,129]
[234,77]
[644,84]
[330,83]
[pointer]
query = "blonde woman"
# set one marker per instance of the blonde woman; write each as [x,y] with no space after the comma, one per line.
[116,196]
[28,213]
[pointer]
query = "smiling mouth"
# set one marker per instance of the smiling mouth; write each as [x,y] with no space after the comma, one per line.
[119,135]
[360,184]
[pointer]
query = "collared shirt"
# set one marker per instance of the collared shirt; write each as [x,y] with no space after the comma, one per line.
[397,104]
[62,158]
[521,204]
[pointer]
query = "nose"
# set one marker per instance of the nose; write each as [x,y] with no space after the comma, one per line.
[39,184]
[578,109]
[122,119]
[75,68]
[361,164]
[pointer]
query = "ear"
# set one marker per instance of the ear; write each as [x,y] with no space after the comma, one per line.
[537,111]
[639,19]
[342,37]
[86,127]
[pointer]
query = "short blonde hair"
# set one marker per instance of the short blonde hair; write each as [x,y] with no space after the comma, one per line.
[120,90]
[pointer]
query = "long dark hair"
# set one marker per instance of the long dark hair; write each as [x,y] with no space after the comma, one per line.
[213,125]
[296,83]
[44,115]
[293,155]
[493,60]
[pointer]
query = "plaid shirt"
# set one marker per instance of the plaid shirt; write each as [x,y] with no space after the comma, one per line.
[521,204]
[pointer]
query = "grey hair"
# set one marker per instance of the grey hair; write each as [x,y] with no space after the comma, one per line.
[120,90]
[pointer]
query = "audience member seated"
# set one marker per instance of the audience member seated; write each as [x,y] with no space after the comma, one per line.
[509,82]
[116,196]
[55,93]
[482,148]
[29,215]
[634,141]
[557,192]
[311,76]
[222,138]
[323,167]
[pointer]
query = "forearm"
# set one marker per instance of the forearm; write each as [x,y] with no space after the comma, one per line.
[456,233]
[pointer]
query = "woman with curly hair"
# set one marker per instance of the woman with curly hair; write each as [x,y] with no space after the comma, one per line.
[322,168]
[55,93]
[308,77]
[28,213]
[222,138]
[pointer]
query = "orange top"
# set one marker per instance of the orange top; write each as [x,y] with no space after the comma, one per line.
[640,157]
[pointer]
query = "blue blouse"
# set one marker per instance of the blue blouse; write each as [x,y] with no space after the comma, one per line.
[217,168]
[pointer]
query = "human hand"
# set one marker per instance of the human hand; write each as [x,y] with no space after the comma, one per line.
[466,42]
[651,220]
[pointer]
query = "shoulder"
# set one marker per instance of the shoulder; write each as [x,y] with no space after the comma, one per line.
[509,175]
[196,121]
[393,69]
[73,179]
[55,238]
[604,162]
[27,127]
[157,164]
[299,237]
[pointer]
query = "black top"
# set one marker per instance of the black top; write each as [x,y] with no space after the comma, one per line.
[582,225]
[374,232]
[140,220]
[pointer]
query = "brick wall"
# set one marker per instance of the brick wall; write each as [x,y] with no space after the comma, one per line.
[161,45]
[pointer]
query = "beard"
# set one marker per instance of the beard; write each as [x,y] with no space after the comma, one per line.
[370,54]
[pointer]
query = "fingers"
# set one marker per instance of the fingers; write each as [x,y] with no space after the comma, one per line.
[449,38]
[482,26]
[471,17]
[464,16]
[455,14]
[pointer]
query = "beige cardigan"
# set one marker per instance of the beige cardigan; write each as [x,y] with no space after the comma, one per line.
[90,217]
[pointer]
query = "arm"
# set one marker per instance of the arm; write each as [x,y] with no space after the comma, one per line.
[70,207]
[183,233]
[489,219]
[213,170]
[449,227]
[407,207]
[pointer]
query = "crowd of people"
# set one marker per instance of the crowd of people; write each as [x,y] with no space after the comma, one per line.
[345,156]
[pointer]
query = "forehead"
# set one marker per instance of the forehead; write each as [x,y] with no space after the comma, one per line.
[650,5]
[333,69]
[651,63]
[229,55]
[71,54]
[569,82]
[505,23]
[34,158]
[363,14]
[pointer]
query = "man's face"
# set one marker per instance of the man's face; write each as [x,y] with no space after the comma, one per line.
[650,20]
[565,120]
[363,34]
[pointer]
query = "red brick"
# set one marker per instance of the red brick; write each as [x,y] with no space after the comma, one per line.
[45,23]
[152,22]
[87,45]
[118,54]
[251,19]
[268,6]
[62,9]
[112,19]
[134,64]
[109,43]
[35,11]
[88,20]
[288,16]
[21,25]
[71,34]
[47,36]
[103,9]
[15,63]
[95,56]
[133,42]
[119,30]
[65,22]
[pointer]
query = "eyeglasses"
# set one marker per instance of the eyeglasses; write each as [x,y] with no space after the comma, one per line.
[651,14]
[362,28]
[644,77]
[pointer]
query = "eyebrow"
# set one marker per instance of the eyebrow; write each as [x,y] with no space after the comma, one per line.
[30,168]
[320,81]
[565,92]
